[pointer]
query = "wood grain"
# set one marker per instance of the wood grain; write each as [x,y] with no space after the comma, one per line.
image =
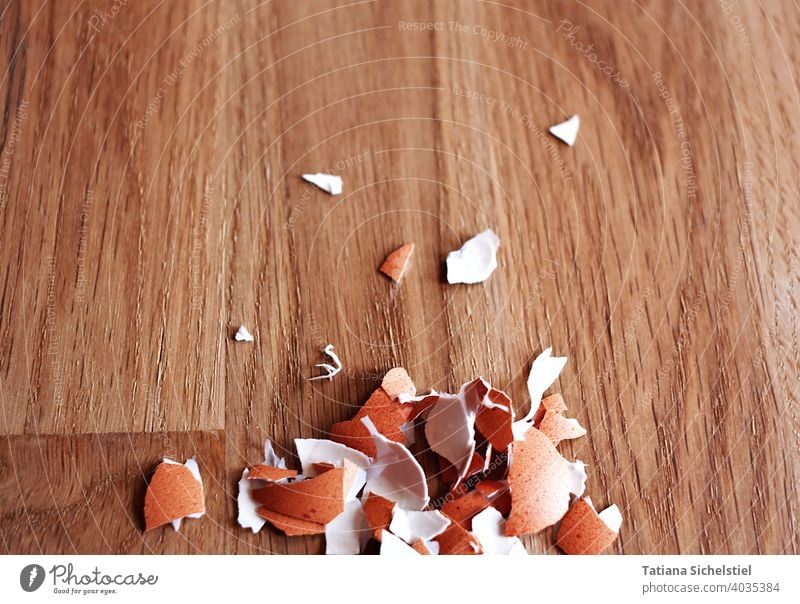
[151,202]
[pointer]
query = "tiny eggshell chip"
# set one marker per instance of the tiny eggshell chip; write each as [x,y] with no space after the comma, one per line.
[330,183]
[396,263]
[567,131]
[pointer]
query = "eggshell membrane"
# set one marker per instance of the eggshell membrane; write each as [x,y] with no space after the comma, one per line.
[293,527]
[462,509]
[270,473]
[397,382]
[539,479]
[378,511]
[551,421]
[388,416]
[396,262]
[173,493]
[456,540]
[582,531]
[318,500]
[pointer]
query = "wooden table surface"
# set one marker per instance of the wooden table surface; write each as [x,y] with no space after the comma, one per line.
[151,202]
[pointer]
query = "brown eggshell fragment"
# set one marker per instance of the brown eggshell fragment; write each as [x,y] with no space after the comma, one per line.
[498,494]
[456,540]
[582,531]
[449,475]
[552,422]
[173,493]
[378,511]
[462,509]
[318,500]
[388,416]
[289,525]
[270,473]
[420,547]
[495,425]
[397,382]
[539,479]
[396,262]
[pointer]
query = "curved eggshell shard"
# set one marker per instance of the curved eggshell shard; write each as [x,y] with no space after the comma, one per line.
[270,473]
[456,540]
[462,509]
[378,511]
[387,414]
[290,525]
[397,382]
[318,500]
[174,492]
[545,370]
[412,526]
[315,454]
[450,425]
[540,480]
[583,530]
[394,473]
[396,262]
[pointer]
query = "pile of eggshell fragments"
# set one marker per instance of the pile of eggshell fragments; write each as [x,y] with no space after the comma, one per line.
[505,478]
